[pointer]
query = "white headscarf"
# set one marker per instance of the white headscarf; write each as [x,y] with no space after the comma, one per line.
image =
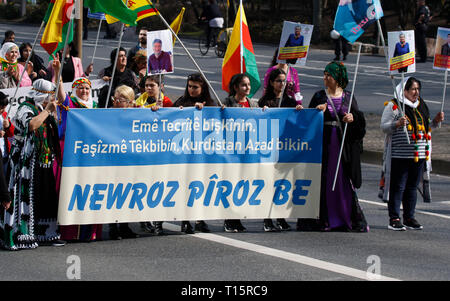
[78,81]
[7,47]
[401,94]
[41,90]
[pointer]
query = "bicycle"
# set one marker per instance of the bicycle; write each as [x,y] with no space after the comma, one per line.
[219,40]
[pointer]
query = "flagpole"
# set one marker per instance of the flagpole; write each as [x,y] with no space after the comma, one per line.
[26,64]
[443,94]
[189,54]
[66,42]
[114,66]
[241,49]
[96,41]
[386,55]
[349,108]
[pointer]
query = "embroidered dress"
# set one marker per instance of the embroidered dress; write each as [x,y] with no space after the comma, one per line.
[73,232]
[31,218]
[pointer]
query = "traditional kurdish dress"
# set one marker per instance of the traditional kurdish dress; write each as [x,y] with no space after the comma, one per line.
[74,232]
[31,218]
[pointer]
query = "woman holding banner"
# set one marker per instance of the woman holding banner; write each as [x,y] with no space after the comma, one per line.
[275,96]
[404,162]
[79,99]
[292,82]
[153,94]
[29,219]
[196,95]
[239,88]
[10,69]
[339,209]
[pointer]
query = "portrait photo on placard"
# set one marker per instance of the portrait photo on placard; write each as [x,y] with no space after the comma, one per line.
[159,52]
[442,50]
[294,43]
[401,52]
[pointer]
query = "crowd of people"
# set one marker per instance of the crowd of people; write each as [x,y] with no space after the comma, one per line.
[32,143]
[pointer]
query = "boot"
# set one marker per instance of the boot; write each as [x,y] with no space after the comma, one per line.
[186,227]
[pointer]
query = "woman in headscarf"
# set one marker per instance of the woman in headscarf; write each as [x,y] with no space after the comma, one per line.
[404,161]
[29,219]
[10,70]
[339,209]
[79,99]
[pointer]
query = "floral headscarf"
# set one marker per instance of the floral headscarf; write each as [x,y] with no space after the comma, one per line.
[79,81]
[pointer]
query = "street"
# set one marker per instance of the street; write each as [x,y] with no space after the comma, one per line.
[380,254]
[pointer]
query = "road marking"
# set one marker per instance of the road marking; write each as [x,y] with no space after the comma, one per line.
[417,211]
[315,263]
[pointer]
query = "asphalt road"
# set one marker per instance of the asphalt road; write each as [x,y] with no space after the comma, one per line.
[256,255]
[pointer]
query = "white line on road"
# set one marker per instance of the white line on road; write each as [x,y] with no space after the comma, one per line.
[417,211]
[315,263]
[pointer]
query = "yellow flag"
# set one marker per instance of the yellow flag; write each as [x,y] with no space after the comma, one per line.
[176,24]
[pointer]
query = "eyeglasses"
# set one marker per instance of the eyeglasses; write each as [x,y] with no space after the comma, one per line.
[120,99]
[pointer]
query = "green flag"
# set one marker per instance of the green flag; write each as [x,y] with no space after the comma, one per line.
[115,8]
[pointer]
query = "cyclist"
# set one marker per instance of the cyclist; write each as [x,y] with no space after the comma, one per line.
[212,14]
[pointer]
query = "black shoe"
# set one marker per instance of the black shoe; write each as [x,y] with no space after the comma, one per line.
[159,229]
[229,226]
[412,224]
[269,227]
[58,243]
[239,226]
[202,227]
[114,232]
[126,232]
[283,225]
[345,58]
[147,227]
[186,227]
[396,225]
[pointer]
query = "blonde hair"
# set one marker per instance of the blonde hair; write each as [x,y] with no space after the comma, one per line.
[126,92]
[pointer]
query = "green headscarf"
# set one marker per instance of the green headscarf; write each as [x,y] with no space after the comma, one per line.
[338,72]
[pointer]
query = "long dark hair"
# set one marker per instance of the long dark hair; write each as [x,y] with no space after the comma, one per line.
[234,82]
[268,99]
[22,48]
[205,96]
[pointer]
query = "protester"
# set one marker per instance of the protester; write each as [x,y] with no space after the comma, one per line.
[123,98]
[404,162]
[423,17]
[239,88]
[340,45]
[6,133]
[36,69]
[142,45]
[292,82]
[122,76]
[73,67]
[30,219]
[139,64]
[339,209]
[10,36]
[153,94]
[196,95]
[11,71]
[276,96]
[79,98]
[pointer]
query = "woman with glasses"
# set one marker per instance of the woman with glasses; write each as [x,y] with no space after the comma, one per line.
[80,98]
[405,160]
[275,96]
[123,98]
[339,209]
[196,95]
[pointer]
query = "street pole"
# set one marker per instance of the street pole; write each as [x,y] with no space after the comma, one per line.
[79,32]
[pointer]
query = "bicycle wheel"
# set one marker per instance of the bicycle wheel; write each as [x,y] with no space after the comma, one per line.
[220,49]
[203,46]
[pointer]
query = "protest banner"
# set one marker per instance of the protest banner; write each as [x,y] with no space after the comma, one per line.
[442,50]
[22,92]
[138,165]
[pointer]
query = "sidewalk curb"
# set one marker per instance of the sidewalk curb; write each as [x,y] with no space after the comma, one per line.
[440,167]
